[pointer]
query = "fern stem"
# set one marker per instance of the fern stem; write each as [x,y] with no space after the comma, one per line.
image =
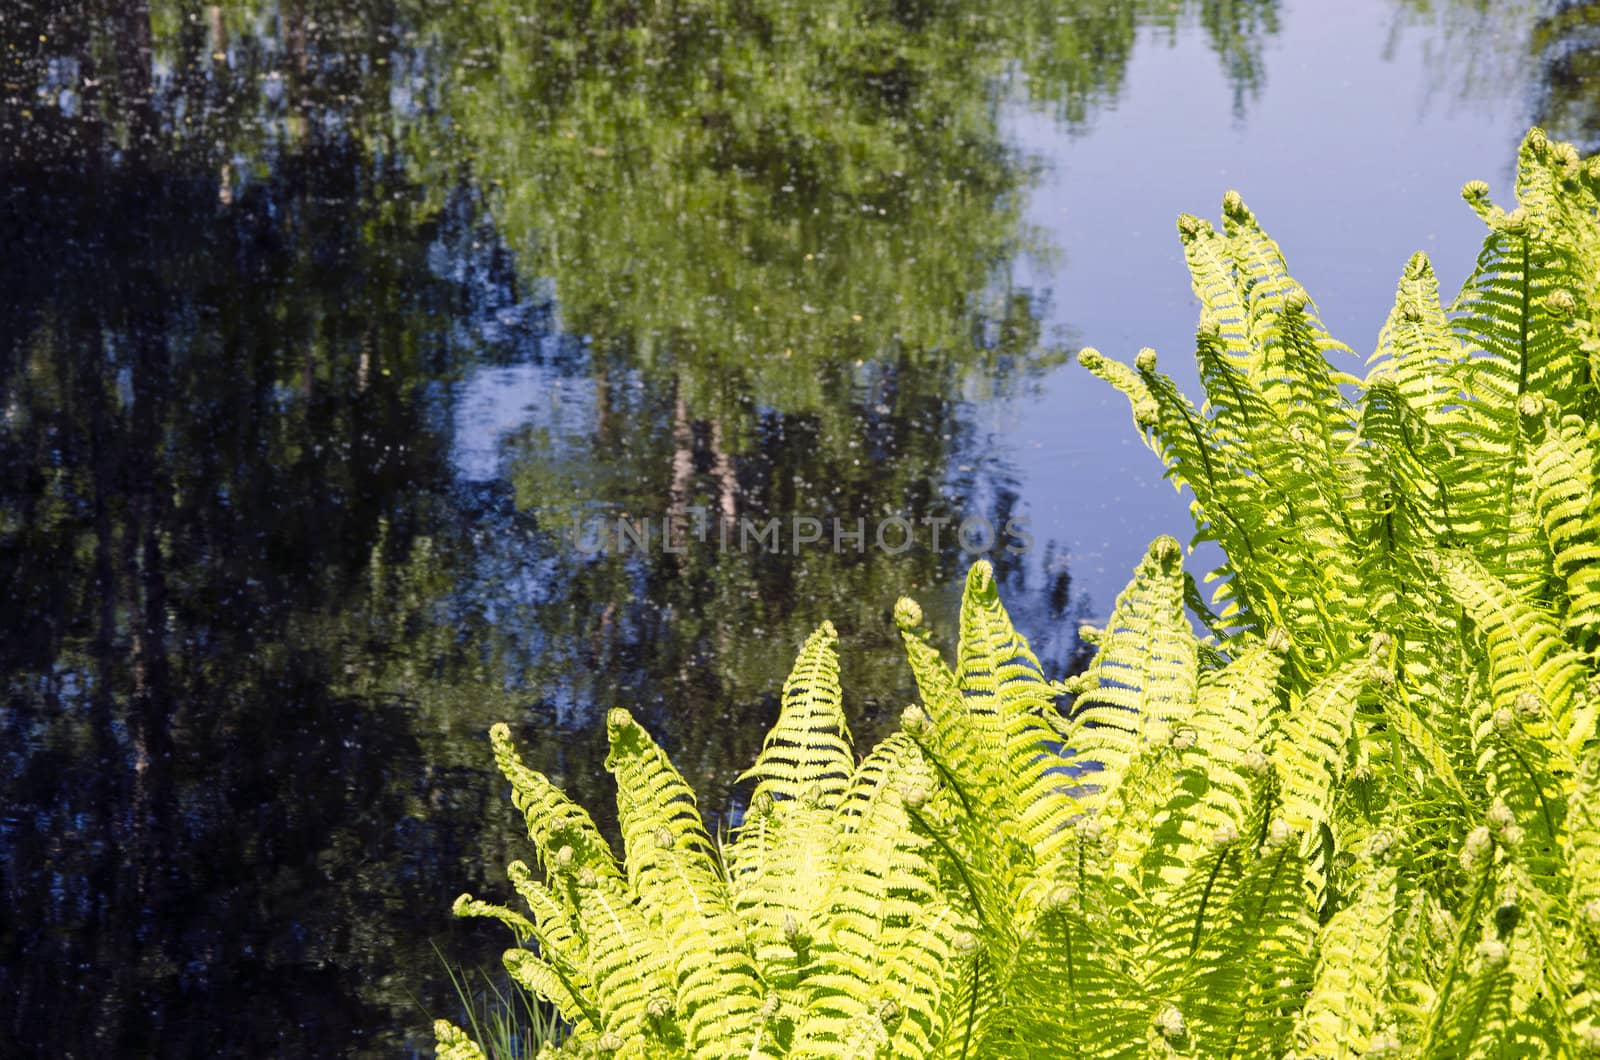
[944,772]
[1514,463]
[1533,778]
[1205,899]
[1467,922]
[955,859]
[972,1006]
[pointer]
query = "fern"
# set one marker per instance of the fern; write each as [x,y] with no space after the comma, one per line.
[1362,818]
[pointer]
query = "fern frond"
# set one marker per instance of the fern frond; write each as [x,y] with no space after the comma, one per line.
[1417,350]
[966,743]
[544,980]
[555,822]
[1526,654]
[996,670]
[1214,793]
[1289,347]
[1250,973]
[561,976]
[809,747]
[780,855]
[1074,994]
[468,906]
[629,963]
[1345,1007]
[673,869]
[1146,670]
[999,676]
[881,936]
[1312,749]
[1565,489]
[452,1043]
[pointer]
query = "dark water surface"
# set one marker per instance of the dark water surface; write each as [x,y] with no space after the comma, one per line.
[333,333]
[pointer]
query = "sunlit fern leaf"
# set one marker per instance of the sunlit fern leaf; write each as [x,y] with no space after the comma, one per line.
[1128,815]
[1527,656]
[1565,489]
[1516,309]
[468,906]
[1581,849]
[553,924]
[452,1043]
[810,744]
[1215,791]
[1418,954]
[1311,749]
[1418,732]
[1073,994]
[781,860]
[673,870]
[1404,504]
[914,1015]
[999,677]
[1284,361]
[1186,913]
[1581,842]
[1146,669]
[970,1012]
[562,948]
[1249,975]
[1543,965]
[996,671]
[1211,272]
[554,821]
[780,854]
[1417,350]
[1289,362]
[628,961]
[543,980]
[1479,1022]
[1190,445]
[965,743]
[1346,1005]
[881,903]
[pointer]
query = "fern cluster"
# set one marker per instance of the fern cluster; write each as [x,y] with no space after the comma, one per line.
[1357,814]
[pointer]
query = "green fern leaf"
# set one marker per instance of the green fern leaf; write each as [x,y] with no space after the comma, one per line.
[1146,670]
[1563,468]
[809,747]
[1345,1008]
[452,1043]
[1312,749]
[1526,654]
[554,821]
[674,871]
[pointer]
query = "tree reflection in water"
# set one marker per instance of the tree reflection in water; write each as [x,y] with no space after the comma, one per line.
[257,258]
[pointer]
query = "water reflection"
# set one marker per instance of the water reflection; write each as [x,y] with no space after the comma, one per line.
[273,568]
[1565,45]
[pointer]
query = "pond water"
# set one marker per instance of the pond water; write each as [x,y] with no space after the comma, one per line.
[340,342]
